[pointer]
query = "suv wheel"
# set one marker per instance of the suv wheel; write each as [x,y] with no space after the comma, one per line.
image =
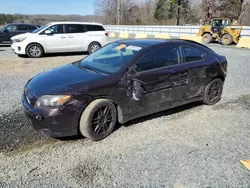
[93,47]
[34,50]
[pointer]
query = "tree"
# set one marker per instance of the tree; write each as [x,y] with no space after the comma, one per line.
[244,18]
[208,9]
[169,9]
[230,8]
[108,9]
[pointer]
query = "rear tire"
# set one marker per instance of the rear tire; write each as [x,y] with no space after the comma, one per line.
[213,92]
[35,51]
[227,39]
[207,38]
[93,47]
[98,119]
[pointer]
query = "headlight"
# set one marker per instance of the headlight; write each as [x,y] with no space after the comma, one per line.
[52,100]
[19,40]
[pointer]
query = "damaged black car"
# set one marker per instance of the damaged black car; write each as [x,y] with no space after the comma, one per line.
[122,81]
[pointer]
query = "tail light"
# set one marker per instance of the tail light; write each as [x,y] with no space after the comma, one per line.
[106,34]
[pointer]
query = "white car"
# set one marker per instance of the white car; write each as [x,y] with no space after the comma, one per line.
[59,37]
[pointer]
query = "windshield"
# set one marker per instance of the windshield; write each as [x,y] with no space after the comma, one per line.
[40,29]
[110,58]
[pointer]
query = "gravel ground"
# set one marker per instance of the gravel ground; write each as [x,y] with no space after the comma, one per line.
[189,146]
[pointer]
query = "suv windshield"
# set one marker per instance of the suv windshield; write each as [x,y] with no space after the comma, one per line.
[110,58]
[40,28]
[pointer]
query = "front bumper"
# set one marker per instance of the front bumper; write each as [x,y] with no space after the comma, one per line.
[18,48]
[53,122]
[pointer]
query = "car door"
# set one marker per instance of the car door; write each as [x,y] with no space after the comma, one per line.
[9,32]
[194,59]
[160,79]
[56,41]
[76,37]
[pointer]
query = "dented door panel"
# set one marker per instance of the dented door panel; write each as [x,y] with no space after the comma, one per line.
[163,87]
[156,90]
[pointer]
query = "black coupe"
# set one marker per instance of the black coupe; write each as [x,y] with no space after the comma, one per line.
[122,81]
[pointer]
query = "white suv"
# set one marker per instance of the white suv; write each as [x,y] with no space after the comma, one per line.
[60,37]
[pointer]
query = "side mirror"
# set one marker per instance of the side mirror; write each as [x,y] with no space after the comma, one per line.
[48,32]
[5,30]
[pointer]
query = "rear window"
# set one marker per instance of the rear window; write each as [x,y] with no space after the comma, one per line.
[193,54]
[94,28]
[22,27]
[31,27]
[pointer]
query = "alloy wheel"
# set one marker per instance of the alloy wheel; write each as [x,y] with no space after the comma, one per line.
[34,51]
[102,119]
[214,92]
[94,47]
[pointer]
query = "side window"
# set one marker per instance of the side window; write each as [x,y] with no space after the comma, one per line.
[12,28]
[30,27]
[56,29]
[22,27]
[193,54]
[94,28]
[159,57]
[75,28]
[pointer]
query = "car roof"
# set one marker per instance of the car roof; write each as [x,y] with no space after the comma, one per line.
[142,42]
[20,24]
[151,42]
[67,22]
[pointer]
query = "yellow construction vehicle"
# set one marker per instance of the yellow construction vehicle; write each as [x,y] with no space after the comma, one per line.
[219,31]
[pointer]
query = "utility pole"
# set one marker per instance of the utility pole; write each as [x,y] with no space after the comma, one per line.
[118,12]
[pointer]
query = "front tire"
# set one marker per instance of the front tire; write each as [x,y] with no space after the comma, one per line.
[21,55]
[94,46]
[98,119]
[34,51]
[227,39]
[213,92]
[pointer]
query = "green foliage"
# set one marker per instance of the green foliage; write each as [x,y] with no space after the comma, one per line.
[168,9]
[6,18]
[161,10]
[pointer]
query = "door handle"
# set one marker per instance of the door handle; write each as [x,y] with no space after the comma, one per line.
[63,37]
[71,37]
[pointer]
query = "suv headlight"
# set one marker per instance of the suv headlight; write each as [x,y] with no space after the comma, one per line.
[19,40]
[52,100]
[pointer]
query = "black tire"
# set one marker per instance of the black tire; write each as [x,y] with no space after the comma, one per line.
[94,120]
[227,39]
[21,55]
[94,46]
[213,92]
[207,38]
[35,51]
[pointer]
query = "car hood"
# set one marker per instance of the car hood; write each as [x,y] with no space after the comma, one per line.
[24,35]
[60,80]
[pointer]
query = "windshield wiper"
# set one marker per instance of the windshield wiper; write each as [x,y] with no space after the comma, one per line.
[90,68]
